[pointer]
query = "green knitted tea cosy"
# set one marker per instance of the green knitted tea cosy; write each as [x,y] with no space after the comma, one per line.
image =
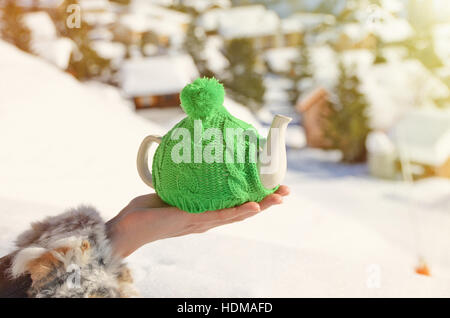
[195,185]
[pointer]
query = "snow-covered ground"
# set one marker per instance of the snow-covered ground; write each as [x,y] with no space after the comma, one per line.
[340,232]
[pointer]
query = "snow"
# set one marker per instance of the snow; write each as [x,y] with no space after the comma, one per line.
[94,5]
[135,22]
[355,31]
[391,88]
[398,86]
[204,5]
[44,40]
[102,34]
[441,35]
[69,140]
[157,75]
[173,115]
[57,51]
[379,143]
[392,29]
[144,16]
[424,136]
[244,21]
[66,143]
[46,4]
[152,11]
[100,18]
[308,21]
[292,25]
[216,61]
[40,25]
[110,50]
[280,59]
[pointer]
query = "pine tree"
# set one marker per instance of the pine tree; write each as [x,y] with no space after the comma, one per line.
[347,121]
[194,44]
[13,30]
[244,81]
[379,56]
[85,63]
[300,71]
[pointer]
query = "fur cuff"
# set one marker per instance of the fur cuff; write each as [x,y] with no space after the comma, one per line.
[69,255]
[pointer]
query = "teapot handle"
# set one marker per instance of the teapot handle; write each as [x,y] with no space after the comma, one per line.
[142,159]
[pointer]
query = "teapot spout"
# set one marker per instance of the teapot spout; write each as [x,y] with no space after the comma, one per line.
[272,163]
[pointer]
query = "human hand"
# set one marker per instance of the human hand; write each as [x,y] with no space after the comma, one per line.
[147,218]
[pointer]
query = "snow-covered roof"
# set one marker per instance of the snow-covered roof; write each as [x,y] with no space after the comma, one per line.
[93,5]
[109,50]
[164,3]
[40,25]
[379,22]
[152,11]
[244,21]
[135,22]
[441,34]
[157,75]
[101,33]
[423,136]
[144,17]
[204,5]
[355,31]
[99,18]
[289,25]
[306,21]
[392,29]
[40,3]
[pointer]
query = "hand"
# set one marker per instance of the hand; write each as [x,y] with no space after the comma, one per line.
[147,218]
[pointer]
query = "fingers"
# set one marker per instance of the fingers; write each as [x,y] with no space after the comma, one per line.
[243,211]
[151,200]
[271,199]
[226,214]
[283,190]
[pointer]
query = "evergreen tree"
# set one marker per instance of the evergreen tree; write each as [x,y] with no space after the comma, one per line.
[85,63]
[194,44]
[244,81]
[300,71]
[379,57]
[347,121]
[13,30]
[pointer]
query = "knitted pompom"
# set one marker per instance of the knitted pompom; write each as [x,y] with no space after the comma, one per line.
[202,98]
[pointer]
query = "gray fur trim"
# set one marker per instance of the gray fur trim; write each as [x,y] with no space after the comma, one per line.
[69,255]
